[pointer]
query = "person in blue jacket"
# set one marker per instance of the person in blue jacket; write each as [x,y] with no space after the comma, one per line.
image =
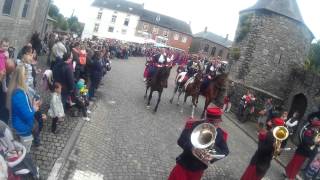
[21,107]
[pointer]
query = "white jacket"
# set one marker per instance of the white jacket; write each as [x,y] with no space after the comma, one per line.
[56,107]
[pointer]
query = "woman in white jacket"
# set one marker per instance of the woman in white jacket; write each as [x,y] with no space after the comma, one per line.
[56,107]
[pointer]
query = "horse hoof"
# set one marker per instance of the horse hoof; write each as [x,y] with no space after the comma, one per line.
[148,107]
[171,101]
[154,112]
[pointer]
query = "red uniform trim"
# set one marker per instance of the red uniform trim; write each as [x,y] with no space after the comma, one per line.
[294,166]
[251,173]
[180,173]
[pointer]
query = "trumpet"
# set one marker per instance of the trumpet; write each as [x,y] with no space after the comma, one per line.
[203,138]
[280,133]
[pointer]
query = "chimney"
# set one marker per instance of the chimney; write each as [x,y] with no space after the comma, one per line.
[227,36]
[206,29]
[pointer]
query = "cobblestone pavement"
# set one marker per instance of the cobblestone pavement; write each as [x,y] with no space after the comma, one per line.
[124,140]
[52,145]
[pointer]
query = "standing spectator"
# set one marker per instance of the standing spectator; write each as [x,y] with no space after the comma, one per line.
[21,107]
[58,50]
[227,98]
[96,73]
[62,73]
[4,45]
[36,42]
[265,114]
[56,111]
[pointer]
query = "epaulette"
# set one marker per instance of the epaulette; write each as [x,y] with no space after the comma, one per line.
[189,123]
[262,135]
[308,132]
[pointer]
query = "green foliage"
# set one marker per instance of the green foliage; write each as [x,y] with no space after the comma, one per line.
[63,23]
[235,53]
[53,11]
[244,27]
[313,60]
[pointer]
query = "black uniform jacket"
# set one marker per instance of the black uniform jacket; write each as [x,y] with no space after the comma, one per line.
[263,156]
[187,159]
[304,147]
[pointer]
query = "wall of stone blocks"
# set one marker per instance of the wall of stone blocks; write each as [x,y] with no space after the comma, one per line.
[273,46]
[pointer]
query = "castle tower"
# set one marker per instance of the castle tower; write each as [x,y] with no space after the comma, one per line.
[272,39]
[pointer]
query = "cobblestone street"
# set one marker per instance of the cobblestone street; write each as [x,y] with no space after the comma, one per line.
[124,140]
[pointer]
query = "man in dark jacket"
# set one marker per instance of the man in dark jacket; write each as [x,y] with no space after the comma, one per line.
[62,73]
[188,165]
[95,73]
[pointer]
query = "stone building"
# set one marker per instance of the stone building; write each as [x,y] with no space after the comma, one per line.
[165,30]
[273,42]
[210,44]
[20,19]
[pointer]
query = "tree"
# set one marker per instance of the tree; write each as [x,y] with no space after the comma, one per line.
[54,11]
[313,60]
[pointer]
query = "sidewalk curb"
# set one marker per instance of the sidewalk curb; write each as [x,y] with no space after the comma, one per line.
[60,162]
[255,140]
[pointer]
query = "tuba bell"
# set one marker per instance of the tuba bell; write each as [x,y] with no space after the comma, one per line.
[203,138]
[280,133]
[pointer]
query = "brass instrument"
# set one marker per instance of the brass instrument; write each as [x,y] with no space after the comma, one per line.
[316,140]
[203,138]
[280,133]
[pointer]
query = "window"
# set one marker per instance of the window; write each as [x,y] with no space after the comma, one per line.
[165,33]
[176,37]
[7,5]
[220,53]
[25,8]
[111,29]
[99,15]
[126,22]
[96,27]
[213,51]
[123,31]
[155,30]
[206,48]
[145,27]
[184,39]
[114,18]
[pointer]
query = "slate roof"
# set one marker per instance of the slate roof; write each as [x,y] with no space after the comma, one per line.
[214,38]
[288,8]
[119,5]
[165,21]
[145,15]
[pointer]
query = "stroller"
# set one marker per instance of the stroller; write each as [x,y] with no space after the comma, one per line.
[16,161]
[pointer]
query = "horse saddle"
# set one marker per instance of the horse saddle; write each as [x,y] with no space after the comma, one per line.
[190,80]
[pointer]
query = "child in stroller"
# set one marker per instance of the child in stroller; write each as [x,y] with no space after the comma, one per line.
[82,99]
[15,159]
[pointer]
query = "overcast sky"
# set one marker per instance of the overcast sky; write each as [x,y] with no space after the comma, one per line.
[220,16]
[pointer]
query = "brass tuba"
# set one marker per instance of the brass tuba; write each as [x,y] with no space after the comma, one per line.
[280,133]
[203,138]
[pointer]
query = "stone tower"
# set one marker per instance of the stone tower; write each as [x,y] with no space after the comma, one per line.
[272,39]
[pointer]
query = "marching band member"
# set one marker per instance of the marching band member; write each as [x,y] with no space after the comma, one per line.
[304,150]
[188,166]
[261,160]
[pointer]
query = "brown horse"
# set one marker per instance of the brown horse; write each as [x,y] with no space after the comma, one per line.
[156,83]
[213,90]
[192,89]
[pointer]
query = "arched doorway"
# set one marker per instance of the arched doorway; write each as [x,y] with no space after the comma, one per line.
[299,104]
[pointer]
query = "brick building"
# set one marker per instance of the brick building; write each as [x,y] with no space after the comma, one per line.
[20,19]
[165,30]
[210,44]
[125,20]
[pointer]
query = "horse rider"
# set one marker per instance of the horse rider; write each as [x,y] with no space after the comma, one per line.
[188,165]
[193,66]
[261,160]
[309,144]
